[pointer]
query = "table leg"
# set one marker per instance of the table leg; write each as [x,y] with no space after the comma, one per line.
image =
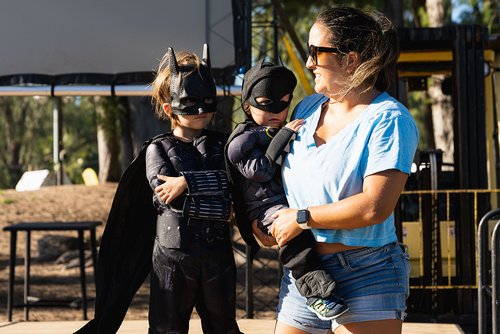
[93,245]
[12,273]
[83,279]
[27,262]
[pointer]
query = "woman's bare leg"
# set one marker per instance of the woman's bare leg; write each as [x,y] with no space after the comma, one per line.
[392,326]
[282,328]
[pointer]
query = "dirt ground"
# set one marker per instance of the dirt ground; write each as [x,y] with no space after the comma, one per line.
[50,281]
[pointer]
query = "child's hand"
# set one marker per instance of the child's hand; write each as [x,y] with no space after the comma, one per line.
[295,124]
[171,188]
[264,239]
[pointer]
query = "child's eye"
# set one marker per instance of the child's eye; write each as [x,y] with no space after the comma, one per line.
[188,102]
[263,101]
[209,100]
[285,98]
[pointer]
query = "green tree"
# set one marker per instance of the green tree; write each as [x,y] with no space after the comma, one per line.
[79,128]
[25,132]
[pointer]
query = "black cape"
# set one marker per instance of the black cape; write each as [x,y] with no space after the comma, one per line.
[126,248]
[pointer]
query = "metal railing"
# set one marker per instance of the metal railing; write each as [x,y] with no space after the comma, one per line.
[444,208]
[488,275]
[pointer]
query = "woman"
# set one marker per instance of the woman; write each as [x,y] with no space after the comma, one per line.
[345,173]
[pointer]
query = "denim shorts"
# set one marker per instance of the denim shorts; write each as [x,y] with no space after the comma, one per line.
[373,281]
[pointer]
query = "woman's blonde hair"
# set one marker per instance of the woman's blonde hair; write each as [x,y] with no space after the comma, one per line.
[372,36]
[161,83]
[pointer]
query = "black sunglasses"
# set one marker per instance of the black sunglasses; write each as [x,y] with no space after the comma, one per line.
[314,50]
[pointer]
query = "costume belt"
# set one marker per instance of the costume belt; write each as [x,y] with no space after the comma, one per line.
[208,231]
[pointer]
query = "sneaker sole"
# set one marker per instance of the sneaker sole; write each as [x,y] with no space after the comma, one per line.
[329,318]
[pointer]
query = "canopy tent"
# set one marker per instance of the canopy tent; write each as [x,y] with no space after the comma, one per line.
[93,47]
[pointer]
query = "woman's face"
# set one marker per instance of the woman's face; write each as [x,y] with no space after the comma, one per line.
[329,72]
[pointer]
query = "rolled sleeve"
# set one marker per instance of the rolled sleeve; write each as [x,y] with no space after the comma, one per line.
[391,145]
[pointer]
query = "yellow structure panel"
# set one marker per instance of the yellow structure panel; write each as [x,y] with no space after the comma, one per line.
[412,237]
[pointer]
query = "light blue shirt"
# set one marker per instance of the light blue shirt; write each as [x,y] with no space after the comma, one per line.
[384,136]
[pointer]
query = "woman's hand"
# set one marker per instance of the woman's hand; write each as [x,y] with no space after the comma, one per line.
[285,226]
[265,239]
[172,187]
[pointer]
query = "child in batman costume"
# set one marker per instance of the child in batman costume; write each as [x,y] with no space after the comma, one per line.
[254,154]
[180,237]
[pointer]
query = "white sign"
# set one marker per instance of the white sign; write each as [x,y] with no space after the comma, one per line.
[32,180]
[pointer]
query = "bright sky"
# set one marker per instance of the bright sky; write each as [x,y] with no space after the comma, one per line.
[459,8]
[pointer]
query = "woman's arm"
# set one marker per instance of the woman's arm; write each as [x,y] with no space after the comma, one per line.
[372,206]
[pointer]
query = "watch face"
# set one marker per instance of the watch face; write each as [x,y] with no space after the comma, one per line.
[302,216]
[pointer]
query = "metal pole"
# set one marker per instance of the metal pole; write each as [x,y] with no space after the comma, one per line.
[83,277]
[207,22]
[275,37]
[249,283]
[27,264]
[249,263]
[287,25]
[483,288]
[495,280]
[248,34]
[12,273]
[57,140]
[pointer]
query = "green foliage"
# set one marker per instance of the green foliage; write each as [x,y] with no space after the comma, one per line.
[79,136]
[25,128]
[422,17]
[418,105]
[26,134]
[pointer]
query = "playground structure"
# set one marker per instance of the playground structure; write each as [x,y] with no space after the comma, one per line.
[438,214]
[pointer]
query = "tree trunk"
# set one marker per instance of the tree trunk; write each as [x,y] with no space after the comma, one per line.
[394,10]
[107,142]
[442,109]
[442,118]
[143,122]
[435,12]
[14,132]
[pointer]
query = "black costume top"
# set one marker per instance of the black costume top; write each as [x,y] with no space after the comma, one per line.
[253,157]
[207,201]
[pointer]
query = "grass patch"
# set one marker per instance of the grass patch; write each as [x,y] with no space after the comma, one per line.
[8,201]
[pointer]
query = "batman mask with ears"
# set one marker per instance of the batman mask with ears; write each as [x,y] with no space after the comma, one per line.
[192,90]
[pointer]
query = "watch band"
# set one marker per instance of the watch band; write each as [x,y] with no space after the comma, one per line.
[303,219]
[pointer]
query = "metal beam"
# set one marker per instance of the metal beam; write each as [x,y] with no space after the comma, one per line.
[96,90]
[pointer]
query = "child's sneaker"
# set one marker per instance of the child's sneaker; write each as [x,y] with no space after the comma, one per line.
[327,309]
